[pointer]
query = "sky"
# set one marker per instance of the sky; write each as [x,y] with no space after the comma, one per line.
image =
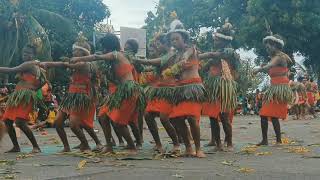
[129,13]
[132,13]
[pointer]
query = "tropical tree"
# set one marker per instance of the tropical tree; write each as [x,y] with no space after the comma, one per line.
[296,20]
[44,23]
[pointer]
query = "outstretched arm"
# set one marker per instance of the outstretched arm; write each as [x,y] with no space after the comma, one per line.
[46,65]
[209,55]
[95,57]
[265,68]
[21,68]
[78,65]
[152,62]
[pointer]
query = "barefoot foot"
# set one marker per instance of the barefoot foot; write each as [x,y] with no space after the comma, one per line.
[189,152]
[218,148]
[157,149]
[77,147]
[107,149]
[263,143]
[98,148]
[36,150]
[229,149]
[139,146]
[176,150]
[211,143]
[64,150]
[121,144]
[14,150]
[132,151]
[200,154]
[85,148]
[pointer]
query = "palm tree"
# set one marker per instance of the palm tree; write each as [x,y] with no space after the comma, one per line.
[20,25]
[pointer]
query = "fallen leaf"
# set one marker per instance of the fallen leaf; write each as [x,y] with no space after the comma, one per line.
[228,163]
[134,158]
[246,170]
[263,153]
[158,156]
[54,140]
[298,150]
[9,176]
[116,154]
[81,164]
[161,128]
[286,141]
[249,149]
[23,156]
[7,162]
[178,176]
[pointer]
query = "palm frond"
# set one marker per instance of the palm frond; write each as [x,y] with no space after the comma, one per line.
[37,35]
[8,44]
[53,21]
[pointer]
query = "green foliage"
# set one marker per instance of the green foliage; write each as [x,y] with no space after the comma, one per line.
[246,81]
[296,20]
[50,24]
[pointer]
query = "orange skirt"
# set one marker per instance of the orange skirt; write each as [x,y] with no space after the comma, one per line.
[311,98]
[153,106]
[211,109]
[159,106]
[87,117]
[274,110]
[124,115]
[21,112]
[185,109]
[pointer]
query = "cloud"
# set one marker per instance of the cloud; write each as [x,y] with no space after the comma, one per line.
[129,13]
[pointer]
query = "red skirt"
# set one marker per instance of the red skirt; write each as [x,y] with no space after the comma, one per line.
[124,115]
[21,112]
[186,109]
[211,109]
[274,110]
[87,117]
[159,106]
[311,98]
[153,106]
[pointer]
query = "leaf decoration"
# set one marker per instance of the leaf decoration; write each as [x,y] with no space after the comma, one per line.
[81,164]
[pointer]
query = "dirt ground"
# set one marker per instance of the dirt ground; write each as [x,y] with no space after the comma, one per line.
[296,159]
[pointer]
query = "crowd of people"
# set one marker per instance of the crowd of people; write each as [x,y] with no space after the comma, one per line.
[176,83]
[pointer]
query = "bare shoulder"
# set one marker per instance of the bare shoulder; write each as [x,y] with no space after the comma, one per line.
[283,57]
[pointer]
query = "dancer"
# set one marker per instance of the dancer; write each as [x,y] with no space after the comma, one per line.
[279,94]
[131,48]
[24,99]
[80,102]
[220,83]
[124,105]
[311,99]
[158,91]
[189,92]
[302,99]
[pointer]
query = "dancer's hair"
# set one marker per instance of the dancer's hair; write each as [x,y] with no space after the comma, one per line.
[133,44]
[110,42]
